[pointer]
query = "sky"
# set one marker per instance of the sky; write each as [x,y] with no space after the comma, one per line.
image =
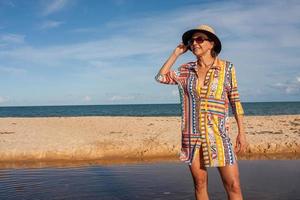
[76,52]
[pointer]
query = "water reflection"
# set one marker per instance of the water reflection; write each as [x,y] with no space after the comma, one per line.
[261,179]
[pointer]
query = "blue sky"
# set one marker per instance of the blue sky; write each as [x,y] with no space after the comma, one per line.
[65,52]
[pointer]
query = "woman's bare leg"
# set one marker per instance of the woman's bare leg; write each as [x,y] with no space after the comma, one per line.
[231,181]
[200,178]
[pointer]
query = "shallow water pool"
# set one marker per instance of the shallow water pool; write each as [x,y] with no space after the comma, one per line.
[260,179]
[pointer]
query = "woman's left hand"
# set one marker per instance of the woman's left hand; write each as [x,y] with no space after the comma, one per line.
[241,143]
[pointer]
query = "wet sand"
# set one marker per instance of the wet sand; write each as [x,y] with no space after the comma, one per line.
[116,139]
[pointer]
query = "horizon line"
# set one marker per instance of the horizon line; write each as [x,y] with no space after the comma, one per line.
[135,104]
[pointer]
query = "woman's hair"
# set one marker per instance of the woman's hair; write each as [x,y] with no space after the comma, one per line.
[213,53]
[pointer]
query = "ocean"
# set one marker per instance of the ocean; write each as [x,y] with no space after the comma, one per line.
[255,108]
[250,108]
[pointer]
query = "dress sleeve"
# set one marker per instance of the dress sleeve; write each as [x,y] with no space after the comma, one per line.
[233,94]
[171,77]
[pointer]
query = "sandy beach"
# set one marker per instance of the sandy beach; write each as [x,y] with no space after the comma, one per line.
[130,138]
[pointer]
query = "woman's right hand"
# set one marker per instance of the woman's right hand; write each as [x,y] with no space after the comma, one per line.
[180,49]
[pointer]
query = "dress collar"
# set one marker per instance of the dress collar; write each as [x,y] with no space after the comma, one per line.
[217,65]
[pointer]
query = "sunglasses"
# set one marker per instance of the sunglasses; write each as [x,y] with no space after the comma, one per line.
[199,40]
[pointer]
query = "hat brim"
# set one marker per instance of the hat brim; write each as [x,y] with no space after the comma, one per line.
[188,35]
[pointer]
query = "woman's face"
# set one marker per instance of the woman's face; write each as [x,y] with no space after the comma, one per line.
[200,45]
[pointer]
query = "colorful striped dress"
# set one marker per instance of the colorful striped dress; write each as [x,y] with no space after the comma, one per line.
[205,120]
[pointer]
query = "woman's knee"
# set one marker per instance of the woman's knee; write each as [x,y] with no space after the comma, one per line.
[233,186]
[200,182]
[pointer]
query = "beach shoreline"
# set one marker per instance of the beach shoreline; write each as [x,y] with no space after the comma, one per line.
[131,138]
[58,163]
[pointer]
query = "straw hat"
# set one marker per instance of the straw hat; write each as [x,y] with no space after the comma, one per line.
[209,31]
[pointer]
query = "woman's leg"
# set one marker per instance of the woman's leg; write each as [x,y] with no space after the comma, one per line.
[231,181]
[200,178]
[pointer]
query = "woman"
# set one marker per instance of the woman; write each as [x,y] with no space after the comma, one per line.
[206,88]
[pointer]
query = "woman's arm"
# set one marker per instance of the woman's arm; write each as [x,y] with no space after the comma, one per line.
[241,141]
[180,49]
[165,75]
[238,111]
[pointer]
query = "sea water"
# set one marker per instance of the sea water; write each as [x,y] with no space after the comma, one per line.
[257,108]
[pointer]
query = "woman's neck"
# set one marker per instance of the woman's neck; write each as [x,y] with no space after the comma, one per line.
[205,61]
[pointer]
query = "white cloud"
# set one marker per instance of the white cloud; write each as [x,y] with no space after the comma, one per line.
[175,92]
[4,99]
[54,6]
[119,2]
[85,30]
[12,70]
[7,3]
[289,87]
[51,24]
[244,37]
[87,98]
[12,38]
[121,98]
[92,53]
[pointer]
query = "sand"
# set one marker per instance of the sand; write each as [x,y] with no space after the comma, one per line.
[130,138]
